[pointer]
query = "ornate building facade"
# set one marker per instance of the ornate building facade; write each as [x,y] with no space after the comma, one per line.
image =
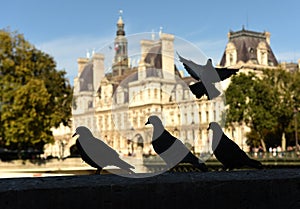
[116,105]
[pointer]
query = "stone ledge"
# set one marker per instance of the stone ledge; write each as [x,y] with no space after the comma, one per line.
[274,188]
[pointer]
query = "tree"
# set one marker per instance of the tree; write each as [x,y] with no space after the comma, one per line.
[34,96]
[284,95]
[265,103]
[249,102]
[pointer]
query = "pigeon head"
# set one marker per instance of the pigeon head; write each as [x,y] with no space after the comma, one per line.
[154,120]
[158,127]
[82,131]
[214,126]
[209,61]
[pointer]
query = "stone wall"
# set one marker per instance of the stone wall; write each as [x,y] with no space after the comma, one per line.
[274,188]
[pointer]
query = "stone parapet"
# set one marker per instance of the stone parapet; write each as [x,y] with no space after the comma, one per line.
[273,188]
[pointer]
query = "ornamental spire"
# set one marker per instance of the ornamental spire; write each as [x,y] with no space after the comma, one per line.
[120,25]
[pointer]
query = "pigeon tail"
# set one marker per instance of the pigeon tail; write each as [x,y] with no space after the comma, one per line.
[212,91]
[125,166]
[201,166]
[255,164]
[196,162]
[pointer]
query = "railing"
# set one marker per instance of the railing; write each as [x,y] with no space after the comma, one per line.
[269,160]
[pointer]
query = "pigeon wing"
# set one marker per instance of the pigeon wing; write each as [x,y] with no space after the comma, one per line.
[98,151]
[85,156]
[227,152]
[198,89]
[163,142]
[170,149]
[191,67]
[225,73]
[230,154]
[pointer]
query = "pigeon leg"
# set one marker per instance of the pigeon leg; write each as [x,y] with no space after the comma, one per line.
[224,168]
[201,167]
[98,171]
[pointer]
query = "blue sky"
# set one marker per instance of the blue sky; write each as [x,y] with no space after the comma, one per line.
[67,29]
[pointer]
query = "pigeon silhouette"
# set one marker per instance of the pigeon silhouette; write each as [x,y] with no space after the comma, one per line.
[96,153]
[228,152]
[207,76]
[171,149]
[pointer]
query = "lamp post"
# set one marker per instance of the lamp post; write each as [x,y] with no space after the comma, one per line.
[193,137]
[62,144]
[296,128]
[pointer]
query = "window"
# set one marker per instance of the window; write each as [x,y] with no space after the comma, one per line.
[200,117]
[207,117]
[90,104]
[215,115]
[230,59]
[155,94]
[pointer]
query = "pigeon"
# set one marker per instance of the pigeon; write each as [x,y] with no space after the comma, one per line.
[206,75]
[171,149]
[96,153]
[228,152]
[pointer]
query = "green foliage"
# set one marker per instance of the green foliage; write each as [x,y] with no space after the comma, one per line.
[266,103]
[34,96]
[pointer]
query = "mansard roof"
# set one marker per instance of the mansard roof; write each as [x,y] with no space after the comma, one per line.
[154,57]
[246,43]
[86,78]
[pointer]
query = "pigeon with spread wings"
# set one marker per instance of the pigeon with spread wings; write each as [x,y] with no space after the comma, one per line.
[96,153]
[207,76]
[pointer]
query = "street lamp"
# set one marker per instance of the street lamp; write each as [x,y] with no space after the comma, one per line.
[193,137]
[296,128]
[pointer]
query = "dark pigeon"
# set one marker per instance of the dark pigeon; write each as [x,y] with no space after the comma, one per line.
[96,153]
[171,149]
[207,76]
[228,152]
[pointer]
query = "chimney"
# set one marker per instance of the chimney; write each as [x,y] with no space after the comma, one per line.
[81,63]
[146,45]
[167,50]
[268,35]
[98,69]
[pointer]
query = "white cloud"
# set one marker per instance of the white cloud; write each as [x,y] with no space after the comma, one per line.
[67,50]
[288,56]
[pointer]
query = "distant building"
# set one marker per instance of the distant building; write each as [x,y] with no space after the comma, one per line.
[248,50]
[116,105]
[291,66]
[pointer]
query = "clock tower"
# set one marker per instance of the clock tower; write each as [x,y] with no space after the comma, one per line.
[121,52]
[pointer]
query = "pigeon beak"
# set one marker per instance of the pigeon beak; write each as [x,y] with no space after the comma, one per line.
[147,122]
[74,134]
[208,127]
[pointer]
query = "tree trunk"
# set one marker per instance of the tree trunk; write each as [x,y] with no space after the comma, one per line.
[263,145]
[283,142]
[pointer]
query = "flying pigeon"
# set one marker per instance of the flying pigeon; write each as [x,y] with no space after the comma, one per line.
[228,152]
[206,75]
[96,153]
[171,149]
